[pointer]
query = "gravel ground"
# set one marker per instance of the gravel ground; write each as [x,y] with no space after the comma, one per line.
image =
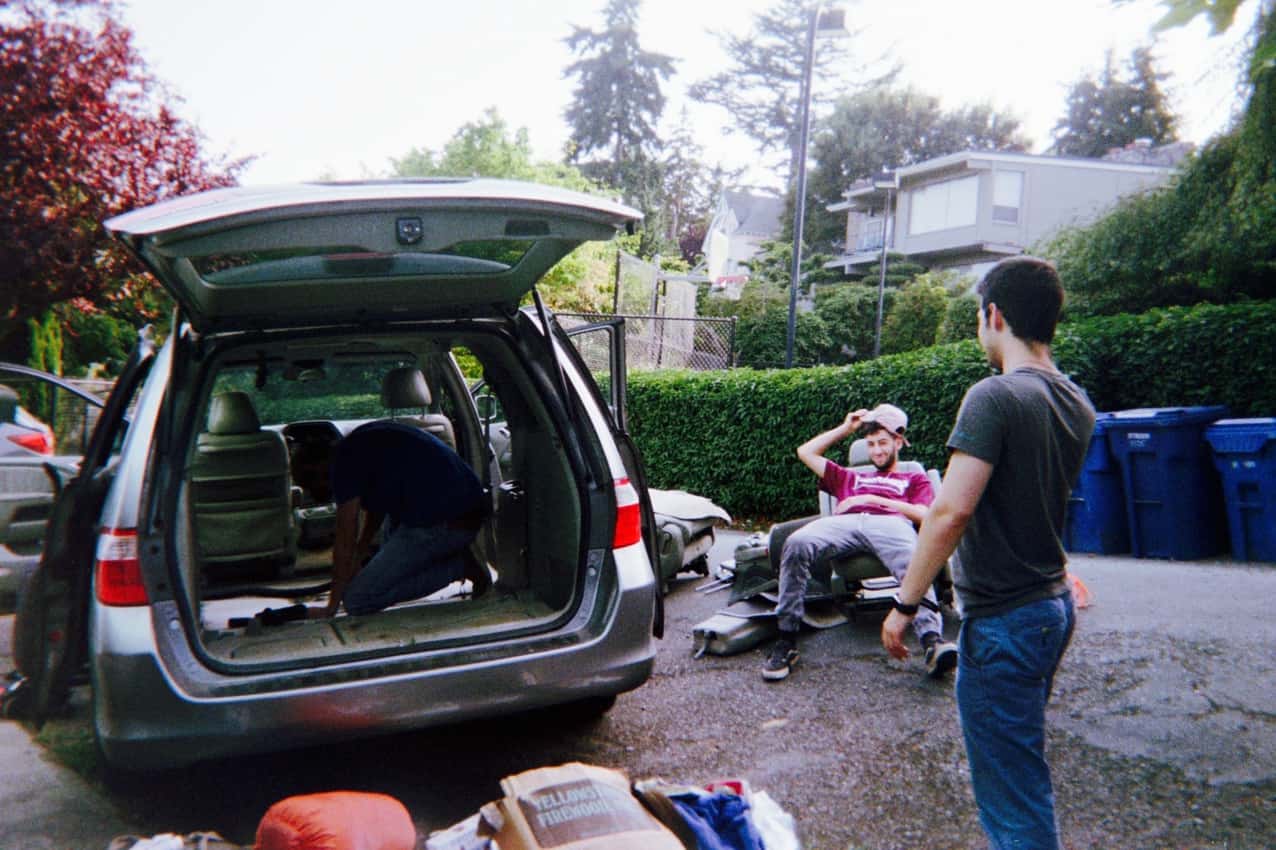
[869,754]
[1161,733]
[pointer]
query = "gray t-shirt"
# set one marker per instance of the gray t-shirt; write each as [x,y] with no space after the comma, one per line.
[1034,427]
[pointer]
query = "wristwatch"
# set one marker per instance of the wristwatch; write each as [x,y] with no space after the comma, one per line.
[898,605]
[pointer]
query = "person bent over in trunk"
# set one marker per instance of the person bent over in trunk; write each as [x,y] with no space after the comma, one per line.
[876,512]
[434,505]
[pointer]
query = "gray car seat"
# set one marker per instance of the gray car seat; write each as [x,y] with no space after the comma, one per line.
[240,493]
[405,388]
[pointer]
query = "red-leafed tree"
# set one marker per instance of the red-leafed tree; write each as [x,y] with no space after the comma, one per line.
[85,133]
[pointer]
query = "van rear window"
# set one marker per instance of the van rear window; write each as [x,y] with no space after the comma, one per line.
[476,257]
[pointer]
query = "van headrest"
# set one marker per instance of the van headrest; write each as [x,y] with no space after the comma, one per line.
[232,413]
[405,387]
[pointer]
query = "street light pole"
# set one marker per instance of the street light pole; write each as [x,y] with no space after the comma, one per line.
[799,213]
[881,280]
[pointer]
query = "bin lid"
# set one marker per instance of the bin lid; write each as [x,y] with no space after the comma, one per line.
[1240,436]
[1165,417]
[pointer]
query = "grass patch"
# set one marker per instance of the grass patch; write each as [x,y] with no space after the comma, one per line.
[70,742]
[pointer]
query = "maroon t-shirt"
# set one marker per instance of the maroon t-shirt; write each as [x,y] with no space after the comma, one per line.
[912,487]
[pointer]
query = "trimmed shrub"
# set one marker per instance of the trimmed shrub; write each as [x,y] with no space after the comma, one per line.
[961,319]
[915,317]
[762,340]
[849,311]
[1178,356]
[732,436]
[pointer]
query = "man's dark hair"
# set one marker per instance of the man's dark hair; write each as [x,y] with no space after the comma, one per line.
[868,429]
[1028,293]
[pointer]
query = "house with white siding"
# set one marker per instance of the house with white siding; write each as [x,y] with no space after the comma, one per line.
[967,210]
[741,222]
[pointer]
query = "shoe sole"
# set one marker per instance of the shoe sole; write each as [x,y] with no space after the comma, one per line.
[943,664]
[782,673]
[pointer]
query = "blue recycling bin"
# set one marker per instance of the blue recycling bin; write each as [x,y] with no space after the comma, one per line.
[1245,456]
[1173,498]
[1096,509]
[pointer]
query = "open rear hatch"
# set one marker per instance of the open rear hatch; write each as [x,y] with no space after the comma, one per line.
[337,253]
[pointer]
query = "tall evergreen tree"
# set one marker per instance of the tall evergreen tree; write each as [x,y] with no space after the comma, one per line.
[761,90]
[686,184]
[617,102]
[1108,112]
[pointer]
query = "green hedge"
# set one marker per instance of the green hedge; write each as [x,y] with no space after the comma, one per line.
[732,436]
[1208,354]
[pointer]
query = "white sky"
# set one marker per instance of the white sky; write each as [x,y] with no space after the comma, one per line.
[315,88]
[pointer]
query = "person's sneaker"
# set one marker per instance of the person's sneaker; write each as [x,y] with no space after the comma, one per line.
[941,657]
[478,574]
[783,656]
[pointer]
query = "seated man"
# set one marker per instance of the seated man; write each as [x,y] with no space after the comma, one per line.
[434,504]
[876,512]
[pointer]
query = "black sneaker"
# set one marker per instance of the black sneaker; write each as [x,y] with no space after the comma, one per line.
[941,656]
[783,656]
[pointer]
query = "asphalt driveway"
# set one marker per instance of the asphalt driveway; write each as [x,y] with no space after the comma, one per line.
[1163,734]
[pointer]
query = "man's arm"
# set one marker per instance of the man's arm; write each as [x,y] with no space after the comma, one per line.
[915,513]
[345,549]
[959,494]
[812,451]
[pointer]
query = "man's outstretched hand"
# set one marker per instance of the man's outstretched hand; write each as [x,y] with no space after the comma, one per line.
[893,628]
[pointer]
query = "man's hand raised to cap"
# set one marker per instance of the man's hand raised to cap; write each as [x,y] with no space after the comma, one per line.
[854,419]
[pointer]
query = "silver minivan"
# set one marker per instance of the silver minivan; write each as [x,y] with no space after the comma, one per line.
[302,312]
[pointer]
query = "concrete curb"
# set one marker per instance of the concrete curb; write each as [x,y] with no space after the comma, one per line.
[47,806]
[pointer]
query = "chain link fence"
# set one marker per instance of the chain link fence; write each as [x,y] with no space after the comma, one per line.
[662,330]
[669,342]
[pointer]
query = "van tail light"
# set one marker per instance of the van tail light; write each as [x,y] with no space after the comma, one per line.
[119,572]
[628,515]
[35,441]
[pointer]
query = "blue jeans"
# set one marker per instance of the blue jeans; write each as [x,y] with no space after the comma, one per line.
[411,563]
[1004,679]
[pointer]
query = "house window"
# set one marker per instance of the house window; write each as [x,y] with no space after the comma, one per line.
[1007,189]
[945,205]
[872,232]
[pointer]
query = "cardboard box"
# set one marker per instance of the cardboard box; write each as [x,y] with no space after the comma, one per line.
[573,806]
[459,836]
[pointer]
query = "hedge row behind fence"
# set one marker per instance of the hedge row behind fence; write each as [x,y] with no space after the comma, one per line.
[732,436]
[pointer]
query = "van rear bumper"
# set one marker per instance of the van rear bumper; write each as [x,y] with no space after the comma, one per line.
[145,719]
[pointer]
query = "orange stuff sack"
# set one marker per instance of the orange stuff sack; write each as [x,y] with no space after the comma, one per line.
[337,820]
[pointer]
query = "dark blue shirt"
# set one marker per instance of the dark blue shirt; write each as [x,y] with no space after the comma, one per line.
[405,473]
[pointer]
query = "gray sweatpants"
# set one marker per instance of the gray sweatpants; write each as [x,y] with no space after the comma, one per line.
[891,538]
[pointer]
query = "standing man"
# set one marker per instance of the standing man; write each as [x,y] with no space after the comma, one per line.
[876,512]
[434,504]
[1017,449]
